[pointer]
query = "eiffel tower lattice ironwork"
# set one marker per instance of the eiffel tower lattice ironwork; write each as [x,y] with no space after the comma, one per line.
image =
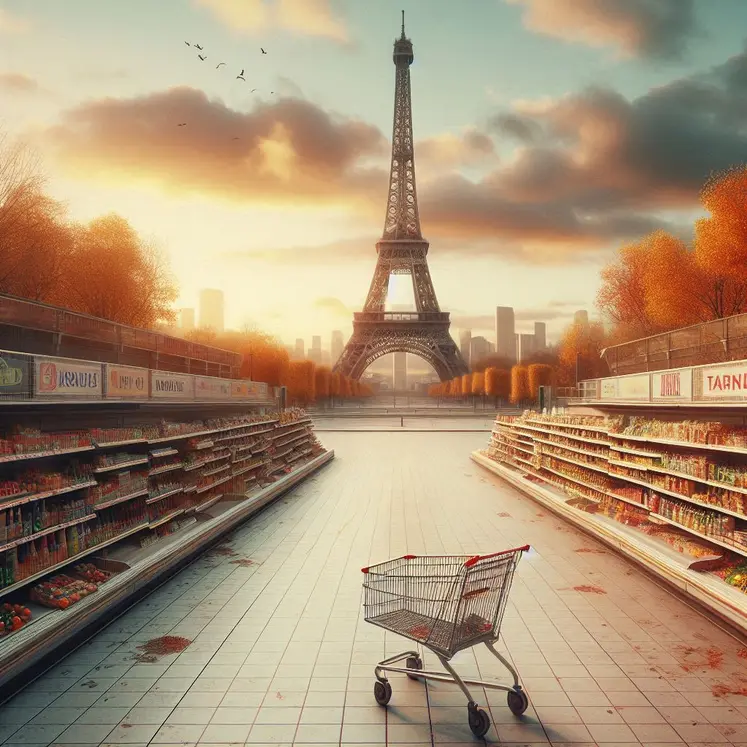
[402,250]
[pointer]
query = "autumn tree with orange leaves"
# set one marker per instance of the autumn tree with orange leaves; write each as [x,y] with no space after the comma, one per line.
[662,283]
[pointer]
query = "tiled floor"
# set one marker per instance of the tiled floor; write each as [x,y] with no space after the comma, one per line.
[280,654]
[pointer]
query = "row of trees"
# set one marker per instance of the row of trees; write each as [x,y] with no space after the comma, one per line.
[518,385]
[103,268]
[264,358]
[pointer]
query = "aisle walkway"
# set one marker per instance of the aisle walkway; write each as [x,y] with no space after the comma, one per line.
[279,653]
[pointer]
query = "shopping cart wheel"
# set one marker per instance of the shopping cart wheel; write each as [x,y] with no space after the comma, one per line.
[517,702]
[479,721]
[414,662]
[382,692]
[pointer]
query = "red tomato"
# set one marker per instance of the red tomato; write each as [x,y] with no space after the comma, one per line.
[16,622]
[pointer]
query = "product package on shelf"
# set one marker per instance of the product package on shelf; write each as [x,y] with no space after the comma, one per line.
[682,483]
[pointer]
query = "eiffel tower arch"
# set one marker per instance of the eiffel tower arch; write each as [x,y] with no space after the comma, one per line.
[402,250]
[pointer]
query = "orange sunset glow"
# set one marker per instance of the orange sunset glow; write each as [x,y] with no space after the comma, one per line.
[548,135]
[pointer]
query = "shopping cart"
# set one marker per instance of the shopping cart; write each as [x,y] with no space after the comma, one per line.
[447,604]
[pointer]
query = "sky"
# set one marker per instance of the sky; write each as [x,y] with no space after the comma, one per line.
[548,133]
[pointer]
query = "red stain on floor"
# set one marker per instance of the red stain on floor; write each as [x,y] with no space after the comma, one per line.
[163,646]
[694,659]
[222,551]
[243,562]
[742,653]
[504,515]
[588,589]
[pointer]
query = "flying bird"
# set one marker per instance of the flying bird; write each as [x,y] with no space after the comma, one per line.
[198,47]
[262,50]
[187,43]
[253,90]
[202,58]
[219,64]
[183,124]
[237,138]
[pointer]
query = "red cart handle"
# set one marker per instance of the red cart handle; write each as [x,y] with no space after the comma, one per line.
[477,558]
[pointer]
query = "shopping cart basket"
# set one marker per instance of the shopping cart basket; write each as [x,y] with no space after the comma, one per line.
[447,604]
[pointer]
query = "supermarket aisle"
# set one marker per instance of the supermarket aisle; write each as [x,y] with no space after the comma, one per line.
[266,643]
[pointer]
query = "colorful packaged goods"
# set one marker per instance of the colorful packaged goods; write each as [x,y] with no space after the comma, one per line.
[90,572]
[13,617]
[61,591]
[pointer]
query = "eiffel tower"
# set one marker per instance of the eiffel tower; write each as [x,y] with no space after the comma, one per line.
[402,250]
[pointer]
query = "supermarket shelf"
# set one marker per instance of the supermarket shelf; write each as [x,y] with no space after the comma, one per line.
[53,635]
[121,465]
[21,498]
[681,444]
[209,432]
[717,596]
[121,499]
[646,483]
[205,488]
[5,458]
[158,453]
[202,462]
[707,537]
[204,506]
[165,519]
[166,468]
[161,496]
[78,556]
[114,444]
[42,532]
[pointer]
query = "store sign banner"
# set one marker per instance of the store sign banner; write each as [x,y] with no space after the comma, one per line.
[248,389]
[167,385]
[634,387]
[210,387]
[14,375]
[56,377]
[725,381]
[673,384]
[126,382]
[608,389]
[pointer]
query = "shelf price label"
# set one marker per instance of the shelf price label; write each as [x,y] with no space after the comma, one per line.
[210,387]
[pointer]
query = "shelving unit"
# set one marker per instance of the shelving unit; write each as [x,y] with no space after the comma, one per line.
[118,482]
[648,495]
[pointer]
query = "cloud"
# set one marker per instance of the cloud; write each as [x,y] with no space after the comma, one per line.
[600,168]
[288,150]
[18,83]
[334,306]
[468,148]
[591,169]
[12,24]
[642,28]
[301,17]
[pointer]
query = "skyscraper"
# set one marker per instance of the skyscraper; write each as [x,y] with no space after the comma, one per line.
[300,349]
[399,372]
[524,347]
[336,346]
[315,351]
[540,336]
[211,309]
[479,348]
[464,344]
[581,317]
[186,319]
[505,332]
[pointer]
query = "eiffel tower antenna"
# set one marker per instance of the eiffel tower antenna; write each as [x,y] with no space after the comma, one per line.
[402,250]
